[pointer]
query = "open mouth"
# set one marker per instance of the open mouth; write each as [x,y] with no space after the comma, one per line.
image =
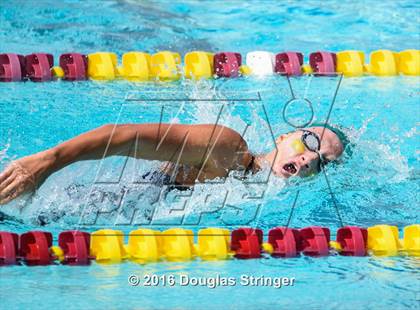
[290,168]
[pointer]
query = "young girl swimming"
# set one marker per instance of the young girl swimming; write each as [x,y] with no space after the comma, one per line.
[193,153]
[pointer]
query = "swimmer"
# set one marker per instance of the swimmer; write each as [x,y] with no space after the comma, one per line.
[191,153]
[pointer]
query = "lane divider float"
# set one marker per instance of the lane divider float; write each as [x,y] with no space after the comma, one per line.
[177,244]
[38,67]
[102,66]
[166,65]
[73,67]
[289,63]
[135,67]
[228,65]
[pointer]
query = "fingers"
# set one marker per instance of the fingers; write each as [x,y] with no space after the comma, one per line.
[6,182]
[14,181]
[6,173]
[5,200]
[13,189]
[11,196]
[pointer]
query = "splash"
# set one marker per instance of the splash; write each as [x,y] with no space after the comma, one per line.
[86,193]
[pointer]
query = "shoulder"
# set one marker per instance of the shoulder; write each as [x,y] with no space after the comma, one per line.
[223,136]
[229,150]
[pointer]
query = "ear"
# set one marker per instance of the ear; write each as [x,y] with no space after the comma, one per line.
[281,138]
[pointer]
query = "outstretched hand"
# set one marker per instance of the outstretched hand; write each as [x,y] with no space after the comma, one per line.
[22,176]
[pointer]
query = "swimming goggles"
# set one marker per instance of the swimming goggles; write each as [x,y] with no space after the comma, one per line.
[313,143]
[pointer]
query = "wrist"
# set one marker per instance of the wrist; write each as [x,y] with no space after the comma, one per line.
[49,159]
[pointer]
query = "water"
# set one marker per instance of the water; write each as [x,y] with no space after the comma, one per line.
[377,184]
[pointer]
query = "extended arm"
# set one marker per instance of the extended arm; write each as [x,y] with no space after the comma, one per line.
[195,145]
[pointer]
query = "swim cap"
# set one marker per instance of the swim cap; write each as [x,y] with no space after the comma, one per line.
[340,134]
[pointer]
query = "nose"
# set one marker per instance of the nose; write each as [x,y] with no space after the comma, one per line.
[306,159]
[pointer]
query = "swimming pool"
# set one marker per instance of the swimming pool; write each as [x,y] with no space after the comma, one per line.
[378,184]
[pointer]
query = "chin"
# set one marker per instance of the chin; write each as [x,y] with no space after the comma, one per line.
[280,174]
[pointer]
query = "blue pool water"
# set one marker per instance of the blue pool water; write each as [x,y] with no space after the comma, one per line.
[378,184]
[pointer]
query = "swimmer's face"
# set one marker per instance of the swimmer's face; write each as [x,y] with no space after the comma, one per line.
[294,159]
